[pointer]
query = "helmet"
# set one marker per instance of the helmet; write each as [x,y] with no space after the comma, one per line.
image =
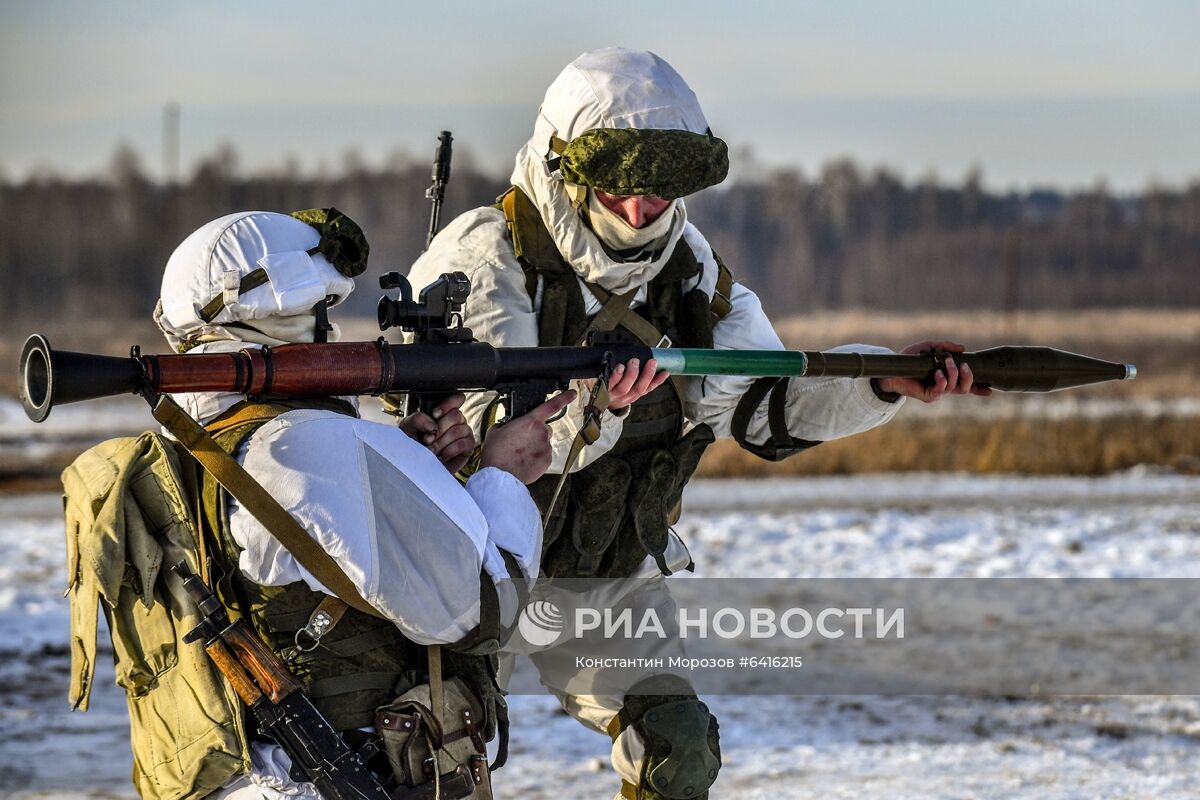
[255,272]
[624,121]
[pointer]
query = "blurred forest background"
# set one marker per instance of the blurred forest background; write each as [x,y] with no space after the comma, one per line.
[849,237]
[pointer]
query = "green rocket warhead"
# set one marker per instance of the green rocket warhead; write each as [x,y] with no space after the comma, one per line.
[1009,369]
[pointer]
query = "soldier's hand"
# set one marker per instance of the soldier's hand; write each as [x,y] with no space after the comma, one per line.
[522,445]
[446,432]
[629,383]
[951,381]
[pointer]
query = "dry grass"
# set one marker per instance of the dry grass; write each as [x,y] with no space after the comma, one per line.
[1031,446]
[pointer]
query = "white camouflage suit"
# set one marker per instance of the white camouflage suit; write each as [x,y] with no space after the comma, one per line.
[356,486]
[618,88]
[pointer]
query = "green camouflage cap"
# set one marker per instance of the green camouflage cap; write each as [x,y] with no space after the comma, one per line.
[628,161]
[342,241]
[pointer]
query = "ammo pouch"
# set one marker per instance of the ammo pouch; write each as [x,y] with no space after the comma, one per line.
[427,758]
[598,504]
[621,509]
[655,501]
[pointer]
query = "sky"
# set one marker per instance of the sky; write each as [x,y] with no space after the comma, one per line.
[1063,94]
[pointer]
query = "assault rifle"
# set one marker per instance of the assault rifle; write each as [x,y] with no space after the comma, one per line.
[447,359]
[319,754]
[436,192]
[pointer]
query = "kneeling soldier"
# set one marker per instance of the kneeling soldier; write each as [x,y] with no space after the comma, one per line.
[436,562]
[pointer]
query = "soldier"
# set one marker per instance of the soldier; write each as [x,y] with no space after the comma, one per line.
[421,549]
[594,236]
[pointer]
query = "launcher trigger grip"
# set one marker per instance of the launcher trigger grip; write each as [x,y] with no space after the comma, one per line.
[939,365]
[521,398]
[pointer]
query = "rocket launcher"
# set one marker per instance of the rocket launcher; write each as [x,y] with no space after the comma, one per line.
[445,359]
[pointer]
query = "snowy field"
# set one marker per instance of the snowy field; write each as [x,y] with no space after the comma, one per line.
[1137,524]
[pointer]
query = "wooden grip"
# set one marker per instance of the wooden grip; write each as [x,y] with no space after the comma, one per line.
[233,671]
[270,673]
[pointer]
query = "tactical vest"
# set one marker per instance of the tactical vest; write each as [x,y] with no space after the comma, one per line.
[619,508]
[362,662]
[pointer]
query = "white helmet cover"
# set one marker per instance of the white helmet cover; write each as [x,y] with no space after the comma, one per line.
[616,87]
[212,261]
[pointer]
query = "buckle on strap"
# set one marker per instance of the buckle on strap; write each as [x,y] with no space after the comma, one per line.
[323,619]
[598,403]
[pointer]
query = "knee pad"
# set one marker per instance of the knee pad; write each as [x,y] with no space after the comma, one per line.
[683,750]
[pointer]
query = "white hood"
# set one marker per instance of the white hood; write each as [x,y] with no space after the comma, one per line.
[609,88]
[219,255]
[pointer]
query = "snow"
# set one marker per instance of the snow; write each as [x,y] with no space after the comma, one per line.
[1135,524]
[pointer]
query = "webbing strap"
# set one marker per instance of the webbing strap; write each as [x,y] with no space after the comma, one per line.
[255,499]
[437,692]
[244,413]
[345,684]
[646,333]
[502,731]
[251,280]
[589,433]
[721,304]
[781,443]
[617,725]
[489,625]
[620,314]
[614,311]
[360,643]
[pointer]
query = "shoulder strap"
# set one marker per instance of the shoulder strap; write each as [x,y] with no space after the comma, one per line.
[250,493]
[532,243]
[614,311]
[507,203]
[620,314]
[721,305]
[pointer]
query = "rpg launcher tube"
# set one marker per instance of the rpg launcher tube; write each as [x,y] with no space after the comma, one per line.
[49,377]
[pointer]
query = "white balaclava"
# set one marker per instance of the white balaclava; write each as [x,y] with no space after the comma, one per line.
[212,262]
[612,229]
[610,88]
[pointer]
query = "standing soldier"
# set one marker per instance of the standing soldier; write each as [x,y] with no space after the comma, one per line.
[594,236]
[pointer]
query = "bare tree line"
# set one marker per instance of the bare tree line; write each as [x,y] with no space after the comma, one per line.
[844,238]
